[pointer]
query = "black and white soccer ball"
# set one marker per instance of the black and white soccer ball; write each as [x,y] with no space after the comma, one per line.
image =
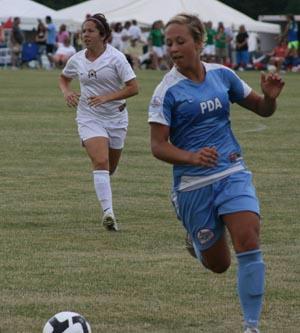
[67,322]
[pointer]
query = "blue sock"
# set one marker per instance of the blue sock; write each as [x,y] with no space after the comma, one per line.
[251,281]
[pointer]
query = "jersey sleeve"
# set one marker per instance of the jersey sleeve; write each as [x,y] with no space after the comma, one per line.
[160,106]
[238,89]
[71,70]
[124,69]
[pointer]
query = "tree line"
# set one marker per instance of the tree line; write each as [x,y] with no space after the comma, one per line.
[252,8]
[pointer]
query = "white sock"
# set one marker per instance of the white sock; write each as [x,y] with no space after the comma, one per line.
[103,189]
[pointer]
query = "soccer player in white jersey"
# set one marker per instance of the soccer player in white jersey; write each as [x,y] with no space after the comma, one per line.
[190,128]
[106,80]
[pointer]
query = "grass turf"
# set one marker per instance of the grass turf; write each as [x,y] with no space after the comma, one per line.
[56,256]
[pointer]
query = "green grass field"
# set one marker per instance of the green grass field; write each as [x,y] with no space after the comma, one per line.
[56,256]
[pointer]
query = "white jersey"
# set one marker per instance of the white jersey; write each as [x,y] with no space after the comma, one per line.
[117,41]
[102,76]
[135,32]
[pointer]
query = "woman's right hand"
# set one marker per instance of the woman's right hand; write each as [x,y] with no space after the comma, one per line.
[71,98]
[205,157]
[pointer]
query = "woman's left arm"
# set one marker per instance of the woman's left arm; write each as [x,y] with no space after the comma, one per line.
[271,86]
[130,89]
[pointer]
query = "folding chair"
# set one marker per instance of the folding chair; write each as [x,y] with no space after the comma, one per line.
[29,52]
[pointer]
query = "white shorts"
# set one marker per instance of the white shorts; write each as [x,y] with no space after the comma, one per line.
[91,128]
[159,51]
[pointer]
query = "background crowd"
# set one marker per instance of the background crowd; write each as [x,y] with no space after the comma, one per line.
[49,46]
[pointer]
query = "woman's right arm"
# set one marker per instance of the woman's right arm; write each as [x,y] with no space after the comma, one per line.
[163,150]
[70,96]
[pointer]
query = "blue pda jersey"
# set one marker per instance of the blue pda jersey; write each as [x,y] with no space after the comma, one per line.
[198,115]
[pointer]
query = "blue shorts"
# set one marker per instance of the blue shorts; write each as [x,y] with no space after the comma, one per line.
[200,210]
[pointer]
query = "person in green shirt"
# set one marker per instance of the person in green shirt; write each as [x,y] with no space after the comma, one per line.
[156,41]
[209,49]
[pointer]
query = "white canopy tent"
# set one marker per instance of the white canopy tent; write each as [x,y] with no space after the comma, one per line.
[148,11]
[28,10]
[78,12]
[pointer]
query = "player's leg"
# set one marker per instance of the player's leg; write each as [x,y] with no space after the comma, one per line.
[98,151]
[114,158]
[205,229]
[239,209]
[244,230]
[217,257]
[117,137]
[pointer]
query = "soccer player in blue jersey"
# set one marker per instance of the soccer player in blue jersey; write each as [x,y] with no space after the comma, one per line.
[212,187]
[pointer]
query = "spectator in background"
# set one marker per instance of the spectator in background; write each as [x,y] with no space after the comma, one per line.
[16,41]
[156,43]
[40,39]
[116,40]
[278,55]
[64,51]
[2,37]
[292,60]
[253,47]
[135,51]
[220,44]
[126,36]
[78,41]
[62,34]
[51,38]
[135,31]
[209,50]
[241,48]
[229,40]
[291,32]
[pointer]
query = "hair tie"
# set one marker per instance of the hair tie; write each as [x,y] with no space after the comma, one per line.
[96,20]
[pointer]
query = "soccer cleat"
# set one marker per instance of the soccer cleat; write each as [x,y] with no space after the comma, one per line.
[109,222]
[252,330]
[189,246]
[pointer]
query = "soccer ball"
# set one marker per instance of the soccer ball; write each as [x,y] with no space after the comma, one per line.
[271,68]
[67,322]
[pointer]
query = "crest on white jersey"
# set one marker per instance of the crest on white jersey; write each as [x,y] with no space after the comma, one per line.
[92,74]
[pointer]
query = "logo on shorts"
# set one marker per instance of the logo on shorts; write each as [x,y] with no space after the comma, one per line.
[233,157]
[205,235]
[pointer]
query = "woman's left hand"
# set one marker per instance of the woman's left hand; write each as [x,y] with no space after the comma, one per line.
[271,85]
[97,100]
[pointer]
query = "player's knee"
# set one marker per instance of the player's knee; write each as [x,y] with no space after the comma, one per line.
[217,267]
[247,242]
[100,162]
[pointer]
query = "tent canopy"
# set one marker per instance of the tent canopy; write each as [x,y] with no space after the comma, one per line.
[78,12]
[24,9]
[148,11]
